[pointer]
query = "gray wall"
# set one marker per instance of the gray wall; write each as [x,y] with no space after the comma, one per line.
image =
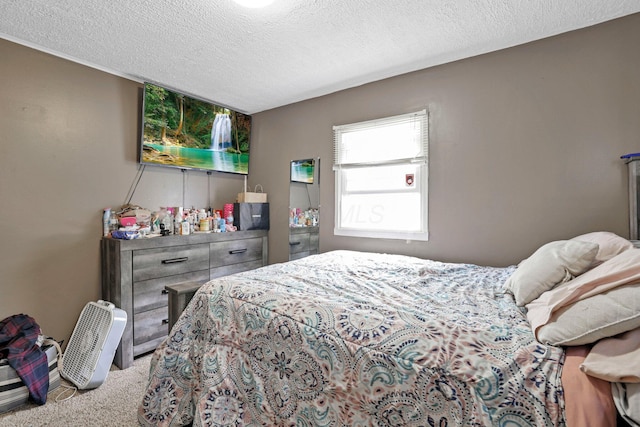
[525,147]
[68,144]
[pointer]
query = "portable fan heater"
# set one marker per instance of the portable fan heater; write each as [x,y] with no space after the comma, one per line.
[92,346]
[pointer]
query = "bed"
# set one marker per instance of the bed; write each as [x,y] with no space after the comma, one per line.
[361,339]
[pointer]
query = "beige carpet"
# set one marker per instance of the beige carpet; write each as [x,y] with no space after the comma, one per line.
[114,403]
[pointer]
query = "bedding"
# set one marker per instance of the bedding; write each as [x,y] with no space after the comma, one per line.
[589,320]
[609,245]
[580,388]
[615,359]
[552,264]
[600,303]
[596,316]
[355,339]
[627,399]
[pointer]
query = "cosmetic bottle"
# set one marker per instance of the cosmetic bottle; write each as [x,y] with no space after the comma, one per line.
[106,215]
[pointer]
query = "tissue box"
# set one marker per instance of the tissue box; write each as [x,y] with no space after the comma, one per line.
[251,216]
[13,392]
[247,197]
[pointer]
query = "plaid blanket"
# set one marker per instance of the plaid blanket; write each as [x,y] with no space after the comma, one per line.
[19,345]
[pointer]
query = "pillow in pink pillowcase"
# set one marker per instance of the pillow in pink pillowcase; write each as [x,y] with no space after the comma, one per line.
[588,400]
[610,245]
[615,359]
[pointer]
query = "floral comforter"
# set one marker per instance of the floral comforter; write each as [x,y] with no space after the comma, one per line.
[355,339]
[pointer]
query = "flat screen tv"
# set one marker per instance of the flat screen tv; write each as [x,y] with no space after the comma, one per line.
[185,132]
[303,170]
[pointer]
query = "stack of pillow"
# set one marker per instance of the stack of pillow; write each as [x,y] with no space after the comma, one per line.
[582,291]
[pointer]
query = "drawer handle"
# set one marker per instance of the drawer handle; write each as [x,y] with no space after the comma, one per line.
[238,251]
[294,243]
[175,260]
[165,321]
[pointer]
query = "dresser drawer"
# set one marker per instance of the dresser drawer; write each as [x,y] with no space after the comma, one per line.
[150,325]
[226,270]
[150,294]
[147,346]
[171,261]
[235,252]
[314,243]
[298,255]
[298,243]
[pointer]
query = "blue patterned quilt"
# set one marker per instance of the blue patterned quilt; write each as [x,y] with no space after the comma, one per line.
[355,339]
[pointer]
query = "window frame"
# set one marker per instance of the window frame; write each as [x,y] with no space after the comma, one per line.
[342,163]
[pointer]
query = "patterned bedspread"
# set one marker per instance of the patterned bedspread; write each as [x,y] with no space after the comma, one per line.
[355,339]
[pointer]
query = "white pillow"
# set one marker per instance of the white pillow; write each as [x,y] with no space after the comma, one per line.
[589,320]
[552,264]
[615,359]
[620,270]
[610,245]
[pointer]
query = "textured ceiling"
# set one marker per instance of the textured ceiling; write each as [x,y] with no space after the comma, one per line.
[257,59]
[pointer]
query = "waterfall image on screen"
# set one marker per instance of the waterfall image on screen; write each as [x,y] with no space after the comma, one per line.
[188,133]
[221,132]
[303,171]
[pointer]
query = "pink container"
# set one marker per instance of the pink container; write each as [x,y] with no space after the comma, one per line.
[128,221]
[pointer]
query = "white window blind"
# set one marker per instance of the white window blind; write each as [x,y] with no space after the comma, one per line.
[381,177]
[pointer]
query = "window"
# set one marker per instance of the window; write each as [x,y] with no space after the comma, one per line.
[381,177]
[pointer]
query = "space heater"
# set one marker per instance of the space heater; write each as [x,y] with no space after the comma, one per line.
[87,359]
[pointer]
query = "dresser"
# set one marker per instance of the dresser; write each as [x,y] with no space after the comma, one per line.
[303,241]
[633,165]
[136,272]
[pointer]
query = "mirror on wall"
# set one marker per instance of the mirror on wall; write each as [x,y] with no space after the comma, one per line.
[304,207]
